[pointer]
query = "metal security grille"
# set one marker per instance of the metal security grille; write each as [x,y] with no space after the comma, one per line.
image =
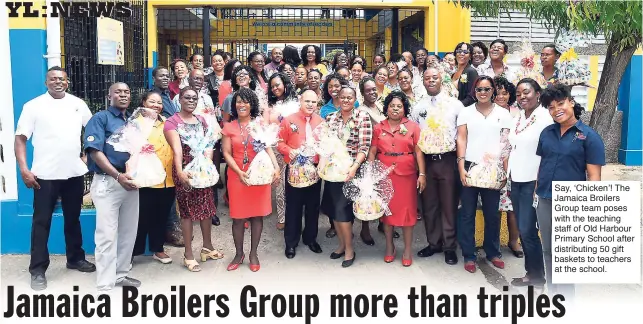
[243,30]
[89,80]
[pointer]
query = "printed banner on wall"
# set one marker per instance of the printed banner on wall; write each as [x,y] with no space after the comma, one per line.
[110,41]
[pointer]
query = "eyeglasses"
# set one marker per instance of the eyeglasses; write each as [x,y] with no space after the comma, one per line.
[242,74]
[465,52]
[189,98]
[486,89]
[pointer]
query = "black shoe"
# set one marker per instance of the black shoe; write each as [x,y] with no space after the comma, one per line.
[519,282]
[450,257]
[215,220]
[428,251]
[128,282]
[348,263]
[380,228]
[370,241]
[336,256]
[82,266]
[315,247]
[330,233]
[517,253]
[290,253]
[38,282]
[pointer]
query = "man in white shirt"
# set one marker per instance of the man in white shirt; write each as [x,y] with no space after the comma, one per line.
[196,80]
[437,115]
[55,121]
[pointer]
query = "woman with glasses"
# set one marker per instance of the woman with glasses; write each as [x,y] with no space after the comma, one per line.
[340,60]
[482,133]
[497,66]
[257,62]
[311,58]
[465,75]
[282,102]
[195,204]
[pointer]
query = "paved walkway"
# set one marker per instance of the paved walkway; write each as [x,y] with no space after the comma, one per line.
[316,273]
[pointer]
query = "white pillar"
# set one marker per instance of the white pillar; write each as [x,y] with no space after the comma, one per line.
[8,167]
[53,40]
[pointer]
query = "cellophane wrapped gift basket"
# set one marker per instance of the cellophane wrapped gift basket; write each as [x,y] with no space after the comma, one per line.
[302,171]
[371,190]
[529,65]
[211,116]
[143,166]
[571,71]
[334,160]
[287,108]
[490,173]
[202,172]
[261,169]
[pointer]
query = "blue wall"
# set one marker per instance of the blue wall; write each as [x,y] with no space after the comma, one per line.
[630,103]
[29,69]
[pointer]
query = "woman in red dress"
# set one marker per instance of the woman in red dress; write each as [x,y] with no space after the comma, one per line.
[195,204]
[395,144]
[246,202]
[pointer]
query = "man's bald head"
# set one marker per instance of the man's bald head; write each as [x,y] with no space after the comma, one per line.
[308,102]
[119,95]
[196,79]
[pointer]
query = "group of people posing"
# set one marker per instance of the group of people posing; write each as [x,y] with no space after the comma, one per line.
[434,121]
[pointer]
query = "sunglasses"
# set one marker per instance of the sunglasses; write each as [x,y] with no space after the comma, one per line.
[465,52]
[485,89]
[188,98]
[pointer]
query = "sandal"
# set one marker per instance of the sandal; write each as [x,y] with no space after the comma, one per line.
[166,260]
[210,254]
[192,265]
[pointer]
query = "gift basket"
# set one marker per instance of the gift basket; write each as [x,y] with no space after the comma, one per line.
[370,191]
[261,169]
[334,160]
[143,166]
[434,135]
[302,171]
[211,116]
[529,67]
[490,173]
[570,70]
[202,172]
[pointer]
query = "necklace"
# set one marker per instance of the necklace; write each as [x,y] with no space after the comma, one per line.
[487,114]
[245,144]
[531,121]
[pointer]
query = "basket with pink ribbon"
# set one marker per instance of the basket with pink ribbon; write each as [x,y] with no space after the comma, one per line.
[143,166]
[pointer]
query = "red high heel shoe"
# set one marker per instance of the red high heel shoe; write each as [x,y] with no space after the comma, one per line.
[407,262]
[255,267]
[234,266]
[390,258]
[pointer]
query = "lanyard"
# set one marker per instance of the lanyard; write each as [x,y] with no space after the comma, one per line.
[245,144]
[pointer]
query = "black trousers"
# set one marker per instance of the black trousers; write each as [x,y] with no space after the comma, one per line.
[154,209]
[44,200]
[308,199]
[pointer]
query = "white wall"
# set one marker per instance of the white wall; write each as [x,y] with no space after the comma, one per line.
[8,166]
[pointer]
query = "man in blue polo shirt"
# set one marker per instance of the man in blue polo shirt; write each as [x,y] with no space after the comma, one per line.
[113,193]
[569,151]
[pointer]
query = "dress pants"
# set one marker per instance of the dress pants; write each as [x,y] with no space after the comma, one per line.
[544,211]
[71,193]
[307,199]
[522,199]
[467,221]
[155,204]
[116,227]
[437,202]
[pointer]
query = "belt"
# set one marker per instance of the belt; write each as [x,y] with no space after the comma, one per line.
[103,173]
[436,157]
[397,154]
